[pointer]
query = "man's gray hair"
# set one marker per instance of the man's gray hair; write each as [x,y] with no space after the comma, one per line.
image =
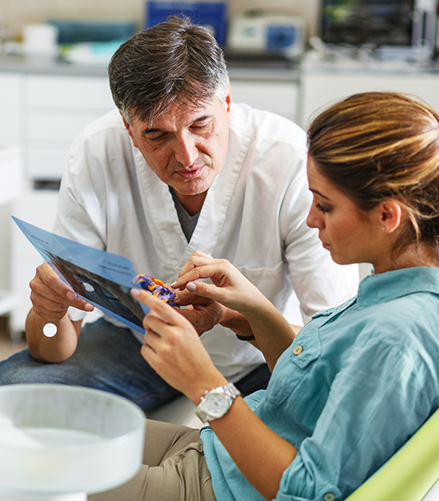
[172,60]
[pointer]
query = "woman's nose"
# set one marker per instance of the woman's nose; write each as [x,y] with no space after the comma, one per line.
[314,220]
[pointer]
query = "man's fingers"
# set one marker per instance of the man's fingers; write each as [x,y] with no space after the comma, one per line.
[80,304]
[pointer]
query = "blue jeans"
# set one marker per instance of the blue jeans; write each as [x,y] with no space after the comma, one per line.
[108,358]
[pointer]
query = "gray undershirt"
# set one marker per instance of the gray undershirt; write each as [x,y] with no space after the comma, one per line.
[187,222]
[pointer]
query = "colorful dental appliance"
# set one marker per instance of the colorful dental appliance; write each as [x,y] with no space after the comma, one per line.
[156,287]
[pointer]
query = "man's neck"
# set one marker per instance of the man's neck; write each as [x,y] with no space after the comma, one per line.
[192,203]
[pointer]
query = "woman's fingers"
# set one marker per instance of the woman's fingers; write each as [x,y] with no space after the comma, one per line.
[159,308]
[197,258]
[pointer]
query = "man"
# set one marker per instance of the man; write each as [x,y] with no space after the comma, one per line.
[177,168]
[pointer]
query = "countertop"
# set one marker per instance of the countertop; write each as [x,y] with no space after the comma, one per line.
[315,62]
[57,66]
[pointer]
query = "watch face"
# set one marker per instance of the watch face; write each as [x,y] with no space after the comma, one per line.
[216,404]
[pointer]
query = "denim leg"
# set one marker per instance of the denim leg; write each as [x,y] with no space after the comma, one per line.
[107,358]
[256,380]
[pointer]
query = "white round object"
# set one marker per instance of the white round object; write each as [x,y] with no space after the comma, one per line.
[50,329]
[57,439]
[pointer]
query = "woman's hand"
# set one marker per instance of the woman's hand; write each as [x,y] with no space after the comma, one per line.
[174,350]
[230,287]
[258,316]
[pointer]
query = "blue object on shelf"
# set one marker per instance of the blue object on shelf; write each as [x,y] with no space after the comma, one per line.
[71,32]
[281,37]
[211,15]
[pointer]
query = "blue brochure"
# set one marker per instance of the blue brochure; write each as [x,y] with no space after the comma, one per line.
[101,278]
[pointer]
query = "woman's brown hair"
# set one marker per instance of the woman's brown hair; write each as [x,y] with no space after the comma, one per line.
[379,145]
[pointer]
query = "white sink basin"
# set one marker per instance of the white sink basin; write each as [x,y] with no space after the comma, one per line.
[57,439]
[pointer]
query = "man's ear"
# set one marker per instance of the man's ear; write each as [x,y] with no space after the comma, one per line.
[130,132]
[228,100]
[391,214]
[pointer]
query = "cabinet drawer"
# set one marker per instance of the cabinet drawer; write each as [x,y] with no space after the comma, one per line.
[10,108]
[68,92]
[46,163]
[47,127]
[277,97]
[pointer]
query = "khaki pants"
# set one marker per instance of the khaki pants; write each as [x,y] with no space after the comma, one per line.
[174,468]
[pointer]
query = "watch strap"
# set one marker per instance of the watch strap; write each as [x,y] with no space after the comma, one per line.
[229,391]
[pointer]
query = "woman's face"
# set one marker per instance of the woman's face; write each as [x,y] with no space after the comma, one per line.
[348,233]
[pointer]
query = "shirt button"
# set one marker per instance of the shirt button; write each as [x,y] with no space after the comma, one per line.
[329,496]
[297,350]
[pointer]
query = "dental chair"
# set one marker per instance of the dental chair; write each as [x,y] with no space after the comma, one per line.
[409,475]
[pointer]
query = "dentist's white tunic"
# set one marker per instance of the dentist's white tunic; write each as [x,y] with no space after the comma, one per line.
[254,216]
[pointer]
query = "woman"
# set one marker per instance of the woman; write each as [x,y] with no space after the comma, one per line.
[358,380]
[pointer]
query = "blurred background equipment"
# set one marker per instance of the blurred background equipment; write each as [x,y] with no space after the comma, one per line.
[211,15]
[76,31]
[267,34]
[393,26]
[40,39]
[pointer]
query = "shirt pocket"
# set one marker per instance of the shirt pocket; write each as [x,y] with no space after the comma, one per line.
[270,281]
[293,365]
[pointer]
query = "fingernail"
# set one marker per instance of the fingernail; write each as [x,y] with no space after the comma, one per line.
[173,284]
[135,292]
[71,295]
[89,307]
[191,287]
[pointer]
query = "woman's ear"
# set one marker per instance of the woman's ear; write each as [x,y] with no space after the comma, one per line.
[391,214]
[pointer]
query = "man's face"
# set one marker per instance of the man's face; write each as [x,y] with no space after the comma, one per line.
[185,146]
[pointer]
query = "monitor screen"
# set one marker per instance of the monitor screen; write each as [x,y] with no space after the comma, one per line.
[355,22]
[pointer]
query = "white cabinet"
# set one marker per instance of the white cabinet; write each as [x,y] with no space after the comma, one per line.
[10,188]
[53,111]
[276,96]
[36,207]
[56,109]
[10,106]
[323,83]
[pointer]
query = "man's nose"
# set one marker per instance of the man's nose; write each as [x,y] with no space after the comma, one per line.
[186,151]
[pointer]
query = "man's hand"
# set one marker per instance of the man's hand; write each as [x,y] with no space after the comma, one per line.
[202,313]
[51,297]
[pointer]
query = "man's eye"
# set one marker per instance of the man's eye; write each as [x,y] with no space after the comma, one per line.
[159,137]
[200,125]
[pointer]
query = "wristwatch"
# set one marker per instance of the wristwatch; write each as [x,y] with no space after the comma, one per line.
[216,402]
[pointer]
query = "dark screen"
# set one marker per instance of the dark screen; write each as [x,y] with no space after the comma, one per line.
[356,22]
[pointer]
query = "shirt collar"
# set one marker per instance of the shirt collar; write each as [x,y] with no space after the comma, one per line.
[384,287]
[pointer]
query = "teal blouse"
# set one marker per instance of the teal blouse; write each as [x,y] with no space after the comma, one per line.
[353,387]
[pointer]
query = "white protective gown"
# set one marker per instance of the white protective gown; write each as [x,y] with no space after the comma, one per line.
[254,216]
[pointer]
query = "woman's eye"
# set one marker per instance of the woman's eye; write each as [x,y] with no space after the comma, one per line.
[322,208]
